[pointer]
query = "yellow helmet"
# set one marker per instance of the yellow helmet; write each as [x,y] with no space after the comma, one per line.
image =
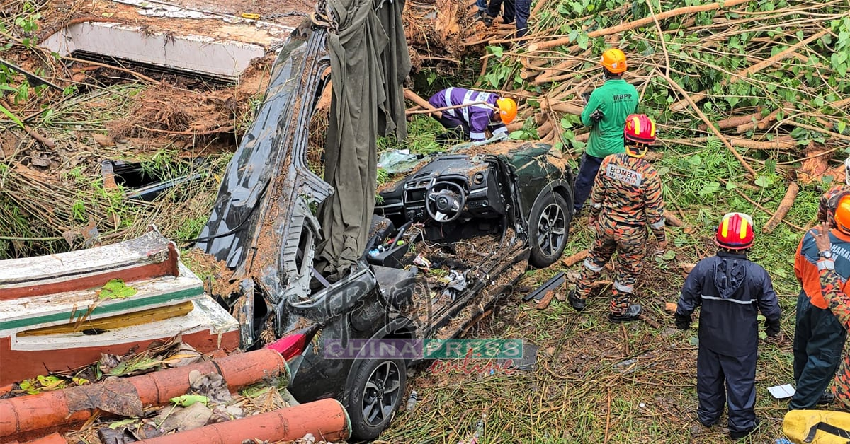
[507,110]
[614,60]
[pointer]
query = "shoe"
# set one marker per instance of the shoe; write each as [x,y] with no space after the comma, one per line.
[826,398]
[631,314]
[576,302]
[738,434]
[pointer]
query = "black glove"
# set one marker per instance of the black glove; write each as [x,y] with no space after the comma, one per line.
[585,97]
[771,328]
[683,322]
[596,116]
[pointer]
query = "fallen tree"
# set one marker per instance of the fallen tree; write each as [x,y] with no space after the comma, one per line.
[755,77]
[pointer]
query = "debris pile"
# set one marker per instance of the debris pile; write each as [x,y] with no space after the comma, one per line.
[239,395]
[765,79]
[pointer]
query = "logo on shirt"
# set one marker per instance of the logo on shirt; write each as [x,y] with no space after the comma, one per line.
[622,97]
[626,175]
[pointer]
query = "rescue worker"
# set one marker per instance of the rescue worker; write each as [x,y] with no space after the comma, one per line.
[605,112]
[626,199]
[732,291]
[834,287]
[834,191]
[818,334]
[484,111]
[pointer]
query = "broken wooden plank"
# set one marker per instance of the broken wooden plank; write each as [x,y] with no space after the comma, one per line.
[115,322]
[60,308]
[148,256]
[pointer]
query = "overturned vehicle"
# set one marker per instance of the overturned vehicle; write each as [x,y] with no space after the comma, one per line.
[447,240]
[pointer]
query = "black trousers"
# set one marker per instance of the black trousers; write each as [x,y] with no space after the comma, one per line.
[818,345]
[493,7]
[727,380]
[587,172]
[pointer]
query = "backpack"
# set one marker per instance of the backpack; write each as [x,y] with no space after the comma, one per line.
[817,427]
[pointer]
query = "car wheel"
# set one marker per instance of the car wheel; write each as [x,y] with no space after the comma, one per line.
[374,395]
[548,227]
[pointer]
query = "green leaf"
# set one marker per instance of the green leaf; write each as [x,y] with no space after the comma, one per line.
[122,423]
[669,255]
[731,186]
[116,289]
[517,135]
[762,335]
[764,181]
[842,125]
[709,188]
[583,41]
[187,400]
[11,116]
[496,50]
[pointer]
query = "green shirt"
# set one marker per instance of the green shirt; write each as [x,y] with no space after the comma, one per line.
[617,99]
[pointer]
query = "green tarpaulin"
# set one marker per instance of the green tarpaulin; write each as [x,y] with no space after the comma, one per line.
[369,62]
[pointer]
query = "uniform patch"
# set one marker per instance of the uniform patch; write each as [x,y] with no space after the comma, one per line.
[626,175]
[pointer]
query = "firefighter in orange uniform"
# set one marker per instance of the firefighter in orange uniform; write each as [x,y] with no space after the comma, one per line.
[625,201]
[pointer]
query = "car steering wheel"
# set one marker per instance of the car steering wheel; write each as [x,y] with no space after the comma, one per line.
[449,199]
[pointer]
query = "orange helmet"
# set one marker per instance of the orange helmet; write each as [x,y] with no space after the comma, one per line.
[736,231]
[842,214]
[614,60]
[507,110]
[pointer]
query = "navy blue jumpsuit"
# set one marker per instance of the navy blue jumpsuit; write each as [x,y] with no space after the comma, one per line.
[732,290]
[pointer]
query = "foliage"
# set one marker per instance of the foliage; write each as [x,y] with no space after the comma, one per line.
[116,289]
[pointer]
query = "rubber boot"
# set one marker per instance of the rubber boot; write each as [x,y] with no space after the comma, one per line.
[579,304]
[632,313]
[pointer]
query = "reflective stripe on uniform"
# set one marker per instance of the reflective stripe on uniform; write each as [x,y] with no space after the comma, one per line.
[589,265]
[623,288]
[736,301]
[828,264]
[476,136]
[500,130]
[448,97]
[466,99]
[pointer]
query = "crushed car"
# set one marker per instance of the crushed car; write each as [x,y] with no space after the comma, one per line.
[447,241]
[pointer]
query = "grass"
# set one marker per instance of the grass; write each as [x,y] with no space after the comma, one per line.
[578,393]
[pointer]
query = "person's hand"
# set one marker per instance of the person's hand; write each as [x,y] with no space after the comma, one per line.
[585,97]
[661,247]
[683,322]
[596,116]
[821,234]
[772,329]
[591,223]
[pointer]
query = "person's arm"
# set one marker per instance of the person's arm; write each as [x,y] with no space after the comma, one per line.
[690,298]
[830,281]
[498,129]
[654,206]
[597,193]
[479,119]
[769,306]
[592,105]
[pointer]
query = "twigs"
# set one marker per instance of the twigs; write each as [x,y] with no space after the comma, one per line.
[783,208]
[716,132]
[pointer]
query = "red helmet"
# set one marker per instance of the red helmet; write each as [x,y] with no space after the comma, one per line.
[735,232]
[639,128]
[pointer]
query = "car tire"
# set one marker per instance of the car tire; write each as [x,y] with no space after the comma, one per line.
[370,404]
[548,228]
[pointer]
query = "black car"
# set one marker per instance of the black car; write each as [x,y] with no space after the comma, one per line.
[447,241]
